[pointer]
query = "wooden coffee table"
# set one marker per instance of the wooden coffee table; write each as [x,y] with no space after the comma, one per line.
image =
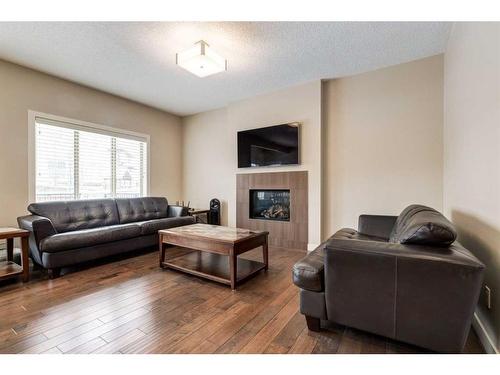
[217,249]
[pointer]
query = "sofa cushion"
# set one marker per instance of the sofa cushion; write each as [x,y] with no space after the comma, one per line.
[153,226]
[423,225]
[141,209]
[89,237]
[69,216]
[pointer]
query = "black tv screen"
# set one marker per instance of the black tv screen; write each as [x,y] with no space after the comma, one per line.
[273,145]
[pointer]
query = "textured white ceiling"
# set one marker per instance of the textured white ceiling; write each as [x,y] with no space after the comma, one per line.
[136,60]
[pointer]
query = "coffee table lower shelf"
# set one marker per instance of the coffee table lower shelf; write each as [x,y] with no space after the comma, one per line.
[10,269]
[212,266]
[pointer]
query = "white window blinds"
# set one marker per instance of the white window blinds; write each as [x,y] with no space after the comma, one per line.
[76,162]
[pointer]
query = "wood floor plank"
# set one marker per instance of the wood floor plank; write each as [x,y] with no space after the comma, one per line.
[350,343]
[328,340]
[372,344]
[26,343]
[180,325]
[249,330]
[96,332]
[226,330]
[304,344]
[265,336]
[193,339]
[54,350]
[287,337]
[120,342]
[88,347]
[108,313]
[70,312]
[162,325]
[27,348]
[158,312]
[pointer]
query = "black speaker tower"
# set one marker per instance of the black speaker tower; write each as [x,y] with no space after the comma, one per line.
[214,214]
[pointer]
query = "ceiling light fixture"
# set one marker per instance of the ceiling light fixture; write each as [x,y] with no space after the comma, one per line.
[201,60]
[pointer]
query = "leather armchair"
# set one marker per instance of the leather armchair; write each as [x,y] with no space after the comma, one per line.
[421,293]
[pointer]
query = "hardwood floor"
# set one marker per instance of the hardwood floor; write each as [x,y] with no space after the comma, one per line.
[130,305]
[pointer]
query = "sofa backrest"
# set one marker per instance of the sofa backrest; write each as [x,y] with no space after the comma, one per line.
[67,216]
[141,209]
[423,225]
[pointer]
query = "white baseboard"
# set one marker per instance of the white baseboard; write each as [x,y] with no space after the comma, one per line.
[312,246]
[488,343]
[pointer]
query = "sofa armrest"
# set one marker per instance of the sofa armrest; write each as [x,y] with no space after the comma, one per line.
[177,211]
[376,225]
[38,226]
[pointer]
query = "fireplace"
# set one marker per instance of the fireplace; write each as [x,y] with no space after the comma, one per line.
[266,204]
[289,228]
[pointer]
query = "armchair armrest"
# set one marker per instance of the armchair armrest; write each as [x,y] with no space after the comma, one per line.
[376,225]
[308,273]
[176,211]
[39,226]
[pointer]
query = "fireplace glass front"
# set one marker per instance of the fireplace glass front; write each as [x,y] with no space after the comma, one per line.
[270,204]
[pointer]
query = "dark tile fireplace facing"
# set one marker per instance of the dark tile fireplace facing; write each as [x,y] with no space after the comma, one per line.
[267,204]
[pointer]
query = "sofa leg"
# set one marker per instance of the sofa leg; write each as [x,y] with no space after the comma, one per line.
[54,273]
[313,323]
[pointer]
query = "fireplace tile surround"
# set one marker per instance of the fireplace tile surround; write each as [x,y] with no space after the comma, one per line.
[289,188]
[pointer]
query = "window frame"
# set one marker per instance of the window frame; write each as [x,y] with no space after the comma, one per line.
[84,126]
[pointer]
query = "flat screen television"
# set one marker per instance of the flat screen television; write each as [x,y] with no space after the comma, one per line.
[270,146]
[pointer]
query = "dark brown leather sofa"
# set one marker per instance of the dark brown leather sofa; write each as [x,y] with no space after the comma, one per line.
[402,277]
[67,233]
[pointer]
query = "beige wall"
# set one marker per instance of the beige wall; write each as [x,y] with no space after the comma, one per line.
[472,151]
[383,142]
[23,89]
[210,152]
[207,166]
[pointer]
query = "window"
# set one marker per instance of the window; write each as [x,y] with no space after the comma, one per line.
[85,162]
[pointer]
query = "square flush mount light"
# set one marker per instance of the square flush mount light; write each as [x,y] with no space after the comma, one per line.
[201,60]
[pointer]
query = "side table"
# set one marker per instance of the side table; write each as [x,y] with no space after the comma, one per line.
[197,214]
[9,268]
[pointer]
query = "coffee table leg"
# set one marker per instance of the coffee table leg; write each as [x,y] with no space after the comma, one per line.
[162,249]
[265,254]
[10,249]
[25,259]
[233,271]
